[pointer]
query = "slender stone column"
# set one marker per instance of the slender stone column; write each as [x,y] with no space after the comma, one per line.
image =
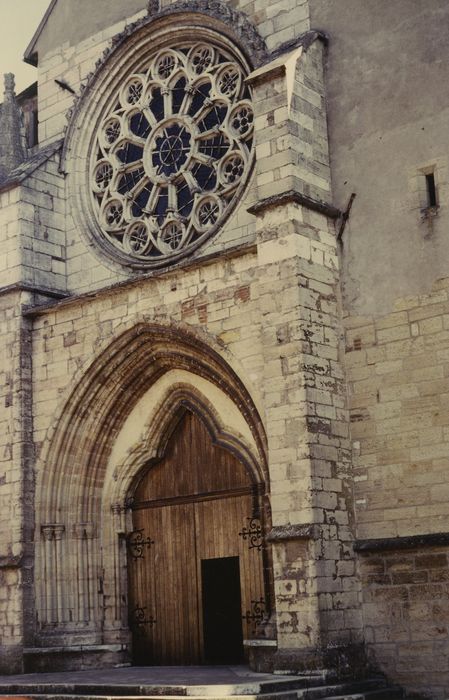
[119,588]
[83,534]
[52,584]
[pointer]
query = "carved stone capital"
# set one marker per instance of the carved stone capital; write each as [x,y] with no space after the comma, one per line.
[118,509]
[52,531]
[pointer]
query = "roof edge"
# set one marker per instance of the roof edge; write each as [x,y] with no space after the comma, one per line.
[27,168]
[30,55]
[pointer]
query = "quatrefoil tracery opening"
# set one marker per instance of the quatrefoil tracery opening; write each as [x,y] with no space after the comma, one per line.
[172,153]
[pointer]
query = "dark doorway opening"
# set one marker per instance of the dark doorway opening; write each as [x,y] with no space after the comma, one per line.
[222,614]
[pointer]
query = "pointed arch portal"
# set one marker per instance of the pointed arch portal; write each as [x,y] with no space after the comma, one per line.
[194,569]
[152,503]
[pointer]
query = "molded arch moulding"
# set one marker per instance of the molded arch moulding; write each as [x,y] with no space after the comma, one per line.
[72,470]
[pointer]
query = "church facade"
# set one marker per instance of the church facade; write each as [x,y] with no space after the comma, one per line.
[225,340]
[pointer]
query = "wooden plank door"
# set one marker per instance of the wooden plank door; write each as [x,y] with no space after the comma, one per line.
[195,505]
[164,584]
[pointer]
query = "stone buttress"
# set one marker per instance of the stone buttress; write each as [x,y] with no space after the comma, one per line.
[316,589]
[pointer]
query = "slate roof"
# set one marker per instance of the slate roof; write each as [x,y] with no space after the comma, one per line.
[27,168]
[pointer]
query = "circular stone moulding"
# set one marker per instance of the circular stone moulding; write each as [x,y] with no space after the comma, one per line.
[172,151]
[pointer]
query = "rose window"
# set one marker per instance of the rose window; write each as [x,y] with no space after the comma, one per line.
[172,153]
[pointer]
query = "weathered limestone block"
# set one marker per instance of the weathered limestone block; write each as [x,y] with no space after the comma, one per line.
[405,608]
[11,625]
[16,480]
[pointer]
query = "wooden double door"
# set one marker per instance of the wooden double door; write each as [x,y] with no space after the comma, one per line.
[195,557]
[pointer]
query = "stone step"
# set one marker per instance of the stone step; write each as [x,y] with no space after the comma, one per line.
[288,695]
[321,685]
[375,688]
[390,693]
[274,687]
[280,695]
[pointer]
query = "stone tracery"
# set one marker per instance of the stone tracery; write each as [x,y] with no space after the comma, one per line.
[172,151]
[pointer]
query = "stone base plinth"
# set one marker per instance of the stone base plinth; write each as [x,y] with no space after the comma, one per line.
[341,662]
[261,653]
[75,658]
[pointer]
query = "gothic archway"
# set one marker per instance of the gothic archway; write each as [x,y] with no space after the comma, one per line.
[90,464]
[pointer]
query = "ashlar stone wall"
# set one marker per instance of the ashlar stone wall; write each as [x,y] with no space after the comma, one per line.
[31,234]
[406,617]
[16,479]
[397,370]
[398,388]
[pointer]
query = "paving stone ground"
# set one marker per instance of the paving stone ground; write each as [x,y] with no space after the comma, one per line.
[147,675]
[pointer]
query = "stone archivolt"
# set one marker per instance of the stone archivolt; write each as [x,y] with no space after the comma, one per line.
[85,480]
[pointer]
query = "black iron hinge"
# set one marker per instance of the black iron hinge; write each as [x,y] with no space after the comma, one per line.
[136,543]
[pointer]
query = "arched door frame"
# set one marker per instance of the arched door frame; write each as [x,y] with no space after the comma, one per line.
[81,509]
[178,398]
[184,398]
